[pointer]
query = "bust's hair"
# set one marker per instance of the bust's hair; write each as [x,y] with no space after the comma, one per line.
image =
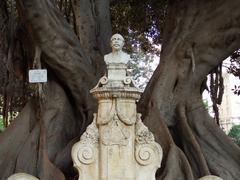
[118,35]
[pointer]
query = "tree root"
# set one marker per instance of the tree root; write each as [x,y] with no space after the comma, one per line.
[221,154]
[190,145]
[174,164]
[29,149]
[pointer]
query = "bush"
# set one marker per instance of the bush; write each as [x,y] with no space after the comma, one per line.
[1,124]
[235,133]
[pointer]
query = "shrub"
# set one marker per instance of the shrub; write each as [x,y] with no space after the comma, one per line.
[235,133]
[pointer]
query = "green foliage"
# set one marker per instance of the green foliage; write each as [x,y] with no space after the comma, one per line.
[1,124]
[142,66]
[234,68]
[205,104]
[141,24]
[138,21]
[235,133]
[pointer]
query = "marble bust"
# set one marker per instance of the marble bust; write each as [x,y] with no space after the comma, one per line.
[117,56]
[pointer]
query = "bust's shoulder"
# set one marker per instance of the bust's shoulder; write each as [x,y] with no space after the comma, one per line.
[107,58]
[126,55]
[107,55]
[121,57]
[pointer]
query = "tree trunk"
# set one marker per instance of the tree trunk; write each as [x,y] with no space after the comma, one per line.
[198,36]
[45,136]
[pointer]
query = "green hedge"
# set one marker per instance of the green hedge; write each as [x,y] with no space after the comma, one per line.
[235,133]
[1,124]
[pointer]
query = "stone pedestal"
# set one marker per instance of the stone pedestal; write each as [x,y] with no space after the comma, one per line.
[117,145]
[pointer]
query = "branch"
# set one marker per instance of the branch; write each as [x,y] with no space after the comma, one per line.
[203,26]
[200,27]
[93,27]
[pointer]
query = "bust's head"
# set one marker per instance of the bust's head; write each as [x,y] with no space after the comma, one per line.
[117,42]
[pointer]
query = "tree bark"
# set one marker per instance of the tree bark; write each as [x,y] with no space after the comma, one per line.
[198,36]
[94,30]
[47,137]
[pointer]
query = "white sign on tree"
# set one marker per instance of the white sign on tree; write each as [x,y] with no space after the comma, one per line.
[37,75]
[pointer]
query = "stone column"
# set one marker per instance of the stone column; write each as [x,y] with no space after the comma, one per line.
[116,120]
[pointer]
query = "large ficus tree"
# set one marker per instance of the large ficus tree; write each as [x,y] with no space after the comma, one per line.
[197,36]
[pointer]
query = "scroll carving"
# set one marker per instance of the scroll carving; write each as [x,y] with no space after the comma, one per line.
[143,135]
[86,154]
[147,151]
[86,149]
[91,135]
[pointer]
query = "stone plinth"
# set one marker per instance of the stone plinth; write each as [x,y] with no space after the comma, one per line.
[116,145]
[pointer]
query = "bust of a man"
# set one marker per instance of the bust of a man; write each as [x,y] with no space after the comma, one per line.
[117,55]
